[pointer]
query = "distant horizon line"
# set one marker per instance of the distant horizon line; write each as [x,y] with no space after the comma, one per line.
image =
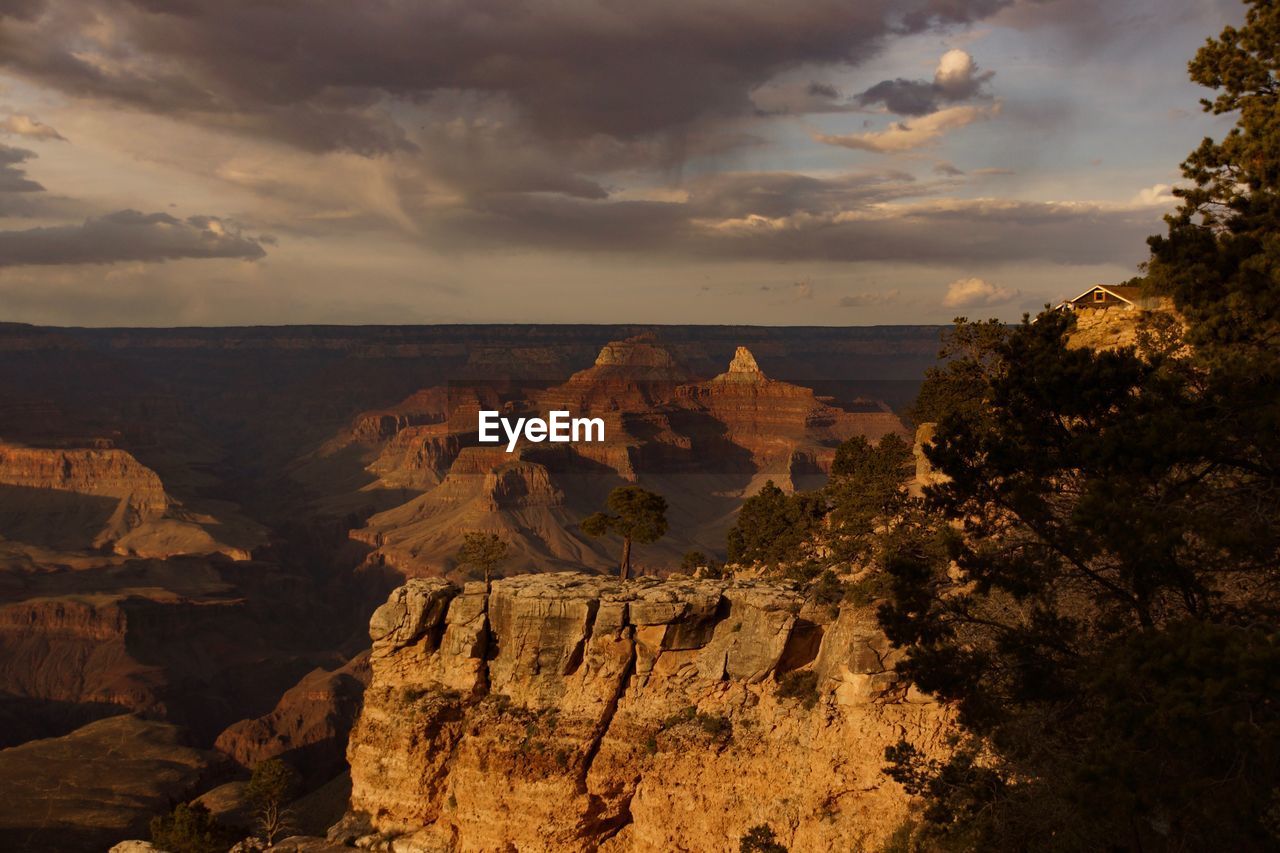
[147,328]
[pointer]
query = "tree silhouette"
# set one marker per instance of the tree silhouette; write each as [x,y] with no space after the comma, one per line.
[483,551]
[635,514]
[270,789]
[1096,583]
[189,828]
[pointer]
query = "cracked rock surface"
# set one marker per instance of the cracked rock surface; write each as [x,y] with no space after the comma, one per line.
[575,712]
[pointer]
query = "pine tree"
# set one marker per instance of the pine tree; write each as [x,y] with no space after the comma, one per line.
[636,514]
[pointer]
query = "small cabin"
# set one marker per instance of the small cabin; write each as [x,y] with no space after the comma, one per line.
[1123,296]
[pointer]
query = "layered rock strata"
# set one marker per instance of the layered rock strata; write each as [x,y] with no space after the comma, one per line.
[704,446]
[104,498]
[112,474]
[571,712]
[308,727]
[770,418]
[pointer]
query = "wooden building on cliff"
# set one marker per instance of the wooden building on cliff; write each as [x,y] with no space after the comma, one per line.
[1125,297]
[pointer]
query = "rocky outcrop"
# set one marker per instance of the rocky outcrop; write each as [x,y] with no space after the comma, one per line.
[418,457]
[167,639]
[520,484]
[1109,329]
[488,490]
[572,712]
[631,375]
[753,406]
[430,405]
[74,651]
[926,475]
[770,419]
[704,445]
[743,368]
[131,493]
[134,846]
[98,498]
[308,727]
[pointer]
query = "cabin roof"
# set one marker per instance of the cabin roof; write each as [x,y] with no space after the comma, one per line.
[1125,292]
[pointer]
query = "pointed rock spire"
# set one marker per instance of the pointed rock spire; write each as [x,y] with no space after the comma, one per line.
[743,368]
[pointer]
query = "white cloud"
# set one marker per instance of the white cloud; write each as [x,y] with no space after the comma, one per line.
[906,135]
[976,293]
[22,125]
[957,75]
[1153,196]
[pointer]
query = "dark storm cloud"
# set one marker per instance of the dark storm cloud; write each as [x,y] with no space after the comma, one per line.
[957,79]
[739,194]
[822,90]
[127,235]
[13,177]
[20,9]
[904,97]
[333,74]
[19,194]
[946,231]
[788,217]
[678,226]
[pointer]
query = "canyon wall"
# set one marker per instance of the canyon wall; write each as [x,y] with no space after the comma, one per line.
[126,492]
[104,498]
[573,712]
[704,446]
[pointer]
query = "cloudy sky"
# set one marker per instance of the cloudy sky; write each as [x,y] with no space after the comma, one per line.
[835,162]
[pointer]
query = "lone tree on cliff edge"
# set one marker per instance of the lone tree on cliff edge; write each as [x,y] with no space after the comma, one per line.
[483,551]
[269,791]
[637,515]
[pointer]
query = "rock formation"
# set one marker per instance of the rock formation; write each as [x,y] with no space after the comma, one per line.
[1108,330]
[766,416]
[490,490]
[572,712]
[134,490]
[925,474]
[418,457]
[170,639]
[632,376]
[81,498]
[307,728]
[704,445]
[143,451]
[453,407]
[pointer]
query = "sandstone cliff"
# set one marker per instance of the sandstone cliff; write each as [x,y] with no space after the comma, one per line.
[1115,328]
[104,498]
[705,446]
[307,728]
[418,457]
[132,492]
[634,376]
[490,490]
[762,413]
[569,712]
